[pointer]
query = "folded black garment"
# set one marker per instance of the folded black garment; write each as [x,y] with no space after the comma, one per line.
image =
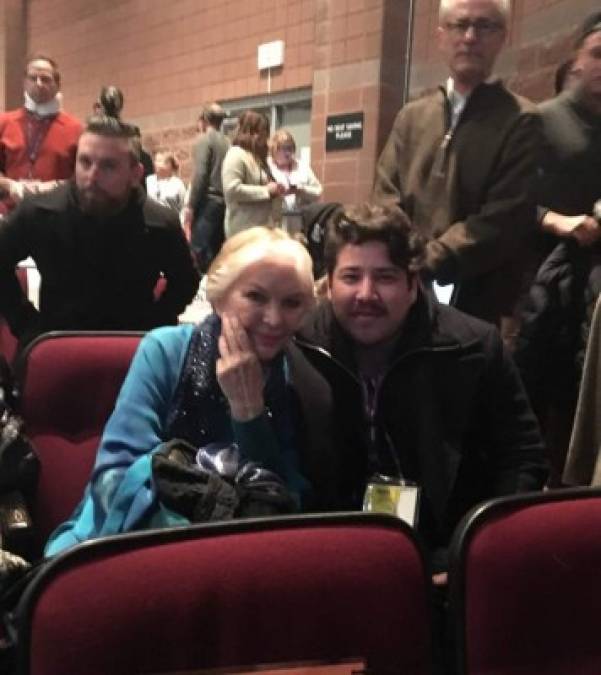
[217,484]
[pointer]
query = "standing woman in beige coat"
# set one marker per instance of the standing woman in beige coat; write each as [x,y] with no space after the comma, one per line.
[252,196]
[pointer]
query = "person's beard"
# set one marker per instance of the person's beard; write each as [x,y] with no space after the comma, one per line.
[95,202]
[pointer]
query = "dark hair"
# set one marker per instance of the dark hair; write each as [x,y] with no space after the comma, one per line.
[52,62]
[111,101]
[111,127]
[361,223]
[252,134]
[561,74]
[592,24]
[213,114]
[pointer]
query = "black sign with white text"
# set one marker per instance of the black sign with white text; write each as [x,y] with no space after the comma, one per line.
[344,132]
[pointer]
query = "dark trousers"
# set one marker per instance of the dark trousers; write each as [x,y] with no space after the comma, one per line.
[443,646]
[207,232]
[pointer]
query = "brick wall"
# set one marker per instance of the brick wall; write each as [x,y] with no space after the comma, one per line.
[170,56]
[357,67]
[540,38]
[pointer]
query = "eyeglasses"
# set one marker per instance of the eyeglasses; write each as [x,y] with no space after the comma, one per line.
[482,27]
[44,79]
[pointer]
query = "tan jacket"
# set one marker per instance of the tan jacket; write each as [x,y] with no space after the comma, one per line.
[583,465]
[247,200]
[473,199]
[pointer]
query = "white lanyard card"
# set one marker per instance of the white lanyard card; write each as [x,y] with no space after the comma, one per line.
[397,497]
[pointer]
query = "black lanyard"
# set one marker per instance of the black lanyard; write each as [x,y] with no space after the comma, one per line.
[371,386]
[37,128]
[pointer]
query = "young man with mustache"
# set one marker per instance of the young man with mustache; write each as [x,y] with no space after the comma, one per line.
[99,244]
[461,161]
[422,392]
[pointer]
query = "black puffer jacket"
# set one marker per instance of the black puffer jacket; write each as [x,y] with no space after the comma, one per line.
[555,323]
[451,406]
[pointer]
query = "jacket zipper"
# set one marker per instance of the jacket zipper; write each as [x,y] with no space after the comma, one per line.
[393,365]
[372,410]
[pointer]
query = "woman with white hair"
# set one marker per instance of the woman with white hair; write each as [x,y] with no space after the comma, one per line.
[233,379]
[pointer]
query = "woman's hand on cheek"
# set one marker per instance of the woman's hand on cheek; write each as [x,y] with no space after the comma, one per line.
[239,372]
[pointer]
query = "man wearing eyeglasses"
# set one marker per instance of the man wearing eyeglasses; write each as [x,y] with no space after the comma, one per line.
[38,141]
[461,161]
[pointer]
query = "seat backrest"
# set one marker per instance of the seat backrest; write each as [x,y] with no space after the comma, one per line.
[270,591]
[526,584]
[67,384]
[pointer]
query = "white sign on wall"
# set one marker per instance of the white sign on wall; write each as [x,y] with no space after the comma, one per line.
[270,55]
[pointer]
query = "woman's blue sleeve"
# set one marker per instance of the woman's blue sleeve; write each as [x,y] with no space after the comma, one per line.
[120,493]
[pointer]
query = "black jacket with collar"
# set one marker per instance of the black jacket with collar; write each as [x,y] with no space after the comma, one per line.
[451,406]
[96,274]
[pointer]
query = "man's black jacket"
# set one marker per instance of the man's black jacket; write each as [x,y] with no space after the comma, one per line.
[96,274]
[451,406]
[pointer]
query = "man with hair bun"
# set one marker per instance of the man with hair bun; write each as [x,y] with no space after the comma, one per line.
[100,245]
[206,204]
[38,141]
[461,162]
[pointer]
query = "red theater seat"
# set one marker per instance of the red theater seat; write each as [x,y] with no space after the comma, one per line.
[67,384]
[526,585]
[231,595]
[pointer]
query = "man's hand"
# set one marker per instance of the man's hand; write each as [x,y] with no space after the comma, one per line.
[239,372]
[584,229]
[10,188]
[187,216]
[440,579]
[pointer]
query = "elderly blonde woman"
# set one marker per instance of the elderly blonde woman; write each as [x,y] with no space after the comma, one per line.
[233,379]
[302,186]
[252,196]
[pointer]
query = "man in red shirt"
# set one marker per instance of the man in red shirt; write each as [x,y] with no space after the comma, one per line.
[38,141]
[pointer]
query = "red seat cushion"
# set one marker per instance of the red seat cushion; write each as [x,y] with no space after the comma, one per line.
[66,466]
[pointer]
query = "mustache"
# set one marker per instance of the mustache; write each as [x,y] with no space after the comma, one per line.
[368,307]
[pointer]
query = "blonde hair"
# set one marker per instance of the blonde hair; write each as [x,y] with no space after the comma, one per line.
[280,137]
[249,247]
